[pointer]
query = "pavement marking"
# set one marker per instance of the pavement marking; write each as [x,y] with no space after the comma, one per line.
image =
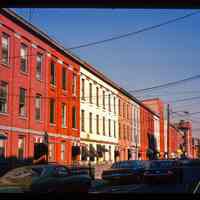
[196,188]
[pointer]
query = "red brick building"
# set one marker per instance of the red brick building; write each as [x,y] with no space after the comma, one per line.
[125,127]
[39,88]
[146,130]
[175,141]
[157,106]
[186,127]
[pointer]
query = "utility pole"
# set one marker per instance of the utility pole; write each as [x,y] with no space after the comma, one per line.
[168,126]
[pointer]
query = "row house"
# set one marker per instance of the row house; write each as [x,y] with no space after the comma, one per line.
[39,91]
[157,106]
[176,141]
[147,137]
[99,116]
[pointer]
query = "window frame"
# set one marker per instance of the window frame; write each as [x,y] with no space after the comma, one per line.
[90,122]
[90,93]
[40,97]
[64,115]
[53,76]
[74,117]
[41,67]
[25,47]
[64,78]
[83,120]
[52,100]
[8,48]
[74,84]
[6,98]
[23,103]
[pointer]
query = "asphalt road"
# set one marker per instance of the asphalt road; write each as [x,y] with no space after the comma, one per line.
[144,188]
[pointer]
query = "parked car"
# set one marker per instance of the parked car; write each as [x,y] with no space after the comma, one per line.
[124,172]
[44,178]
[162,171]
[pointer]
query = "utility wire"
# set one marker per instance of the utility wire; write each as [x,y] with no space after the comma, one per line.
[167,84]
[134,32]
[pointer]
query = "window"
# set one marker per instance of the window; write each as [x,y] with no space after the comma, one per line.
[124,112]
[74,86]
[104,131]
[62,153]
[74,120]
[119,107]
[64,115]
[64,78]
[97,123]
[97,96]
[52,111]
[127,111]
[3,97]
[109,153]
[109,106]
[5,49]
[38,103]
[124,131]
[114,129]
[39,66]
[51,152]
[90,92]
[53,74]
[104,99]
[114,101]
[109,127]
[21,146]
[83,89]
[119,131]
[22,102]
[24,58]
[2,149]
[82,120]
[90,122]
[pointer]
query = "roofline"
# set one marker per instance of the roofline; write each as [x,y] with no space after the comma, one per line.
[41,34]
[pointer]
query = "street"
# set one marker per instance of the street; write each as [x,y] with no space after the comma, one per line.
[102,187]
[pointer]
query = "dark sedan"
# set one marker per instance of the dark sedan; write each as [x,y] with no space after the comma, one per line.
[124,172]
[162,171]
[44,178]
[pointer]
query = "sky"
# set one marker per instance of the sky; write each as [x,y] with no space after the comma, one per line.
[162,55]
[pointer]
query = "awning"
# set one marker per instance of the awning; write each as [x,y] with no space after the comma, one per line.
[3,136]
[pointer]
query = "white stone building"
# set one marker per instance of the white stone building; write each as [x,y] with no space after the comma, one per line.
[98,115]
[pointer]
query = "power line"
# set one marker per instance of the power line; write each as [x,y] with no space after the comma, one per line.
[185,99]
[167,84]
[134,32]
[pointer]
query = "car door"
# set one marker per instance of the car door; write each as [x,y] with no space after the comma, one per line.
[63,179]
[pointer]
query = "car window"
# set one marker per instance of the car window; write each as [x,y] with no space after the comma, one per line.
[161,164]
[61,171]
[124,165]
[38,170]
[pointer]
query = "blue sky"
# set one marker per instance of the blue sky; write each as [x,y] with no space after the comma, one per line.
[155,57]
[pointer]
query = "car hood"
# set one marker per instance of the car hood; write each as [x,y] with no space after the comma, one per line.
[12,189]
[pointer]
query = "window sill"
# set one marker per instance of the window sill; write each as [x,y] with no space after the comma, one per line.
[39,121]
[64,127]
[24,73]
[23,117]
[5,65]
[64,92]
[52,125]
[4,113]
[40,80]
[75,129]
[53,87]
